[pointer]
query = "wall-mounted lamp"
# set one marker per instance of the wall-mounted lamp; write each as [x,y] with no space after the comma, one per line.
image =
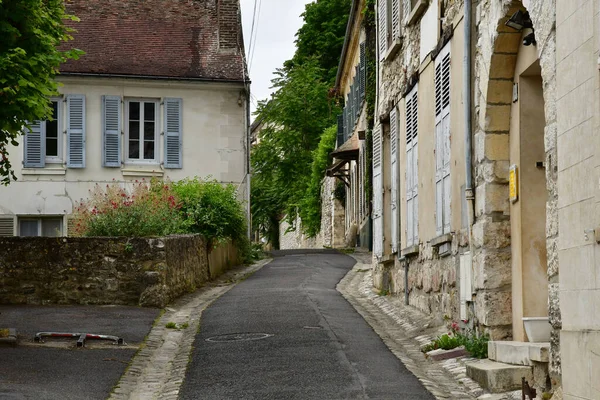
[519,21]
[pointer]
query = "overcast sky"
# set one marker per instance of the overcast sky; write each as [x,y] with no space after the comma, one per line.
[275,27]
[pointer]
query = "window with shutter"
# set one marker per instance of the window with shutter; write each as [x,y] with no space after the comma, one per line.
[394,178]
[395,19]
[340,130]
[377,194]
[442,141]
[383,28]
[173,133]
[111,131]
[76,131]
[363,70]
[141,131]
[412,182]
[7,225]
[357,98]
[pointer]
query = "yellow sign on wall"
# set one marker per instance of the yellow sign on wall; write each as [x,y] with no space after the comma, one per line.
[514,183]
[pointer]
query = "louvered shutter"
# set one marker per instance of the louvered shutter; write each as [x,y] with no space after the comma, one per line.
[377,194]
[406,8]
[34,146]
[363,70]
[395,19]
[442,140]
[7,225]
[412,161]
[111,131]
[340,131]
[394,178]
[382,25]
[76,131]
[357,90]
[352,110]
[173,133]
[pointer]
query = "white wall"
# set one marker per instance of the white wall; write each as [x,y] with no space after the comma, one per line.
[213,144]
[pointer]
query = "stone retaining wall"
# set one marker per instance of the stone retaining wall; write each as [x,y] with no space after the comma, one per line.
[146,272]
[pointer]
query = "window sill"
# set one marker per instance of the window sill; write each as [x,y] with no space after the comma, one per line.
[393,49]
[410,251]
[417,11]
[44,171]
[440,240]
[148,171]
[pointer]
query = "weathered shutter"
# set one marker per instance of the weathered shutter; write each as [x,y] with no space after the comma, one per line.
[35,145]
[382,25]
[357,84]
[7,225]
[442,141]
[394,178]
[173,133]
[111,131]
[406,7]
[340,131]
[377,194]
[412,161]
[395,19]
[363,70]
[352,110]
[76,131]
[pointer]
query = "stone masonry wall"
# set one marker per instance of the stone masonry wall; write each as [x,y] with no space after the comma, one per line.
[146,272]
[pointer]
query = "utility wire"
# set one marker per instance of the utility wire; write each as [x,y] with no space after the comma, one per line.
[254,37]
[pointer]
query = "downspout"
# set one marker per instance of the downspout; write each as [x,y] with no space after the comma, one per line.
[248,171]
[469,196]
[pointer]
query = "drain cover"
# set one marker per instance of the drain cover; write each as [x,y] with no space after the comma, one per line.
[238,337]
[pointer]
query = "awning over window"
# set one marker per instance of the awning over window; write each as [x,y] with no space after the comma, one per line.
[349,150]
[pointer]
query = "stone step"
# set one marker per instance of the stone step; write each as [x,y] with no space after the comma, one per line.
[518,353]
[8,335]
[498,377]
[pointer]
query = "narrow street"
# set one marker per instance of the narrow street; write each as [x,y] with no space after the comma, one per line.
[286,332]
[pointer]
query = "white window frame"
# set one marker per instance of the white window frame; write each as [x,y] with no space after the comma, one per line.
[58,159]
[157,110]
[39,224]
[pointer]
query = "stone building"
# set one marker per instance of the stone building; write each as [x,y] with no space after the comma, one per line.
[160,92]
[350,165]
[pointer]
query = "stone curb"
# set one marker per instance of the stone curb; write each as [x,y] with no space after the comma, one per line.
[11,338]
[404,330]
[158,368]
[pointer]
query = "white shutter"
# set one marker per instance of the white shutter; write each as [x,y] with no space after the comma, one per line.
[173,133]
[412,181]
[76,131]
[383,27]
[406,6]
[34,146]
[394,177]
[111,131]
[442,140]
[395,19]
[377,194]
[7,225]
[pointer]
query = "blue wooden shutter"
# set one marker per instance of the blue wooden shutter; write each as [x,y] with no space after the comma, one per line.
[377,194]
[111,128]
[340,131]
[35,145]
[76,131]
[363,70]
[173,133]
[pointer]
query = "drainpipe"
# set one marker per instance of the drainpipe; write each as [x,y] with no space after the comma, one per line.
[469,196]
[248,172]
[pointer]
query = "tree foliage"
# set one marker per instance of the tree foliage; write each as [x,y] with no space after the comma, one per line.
[31,32]
[322,35]
[294,120]
[310,206]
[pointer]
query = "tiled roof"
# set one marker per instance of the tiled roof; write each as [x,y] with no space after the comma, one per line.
[159,38]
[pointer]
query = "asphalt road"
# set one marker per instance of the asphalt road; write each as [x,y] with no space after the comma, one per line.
[320,347]
[44,372]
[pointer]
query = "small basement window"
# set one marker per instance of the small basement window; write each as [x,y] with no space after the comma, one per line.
[47,227]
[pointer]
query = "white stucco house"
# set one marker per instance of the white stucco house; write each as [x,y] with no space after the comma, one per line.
[161,92]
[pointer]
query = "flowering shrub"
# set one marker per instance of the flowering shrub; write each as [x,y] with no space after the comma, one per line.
[475,345]
[150,209]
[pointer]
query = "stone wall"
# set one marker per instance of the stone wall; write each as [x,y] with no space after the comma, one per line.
[146,272]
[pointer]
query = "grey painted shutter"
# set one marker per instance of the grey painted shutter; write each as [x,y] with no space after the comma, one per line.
[394,178]
[111,131]
[7,225]
[377,194]
[35,145]
[395,19]
[173,133]
[76,131]
[412,175]
[363,70]
[406,6]
[442,141]
[357,96]
[340,131]
[382,26]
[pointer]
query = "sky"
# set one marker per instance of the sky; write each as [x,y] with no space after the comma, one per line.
[275,29]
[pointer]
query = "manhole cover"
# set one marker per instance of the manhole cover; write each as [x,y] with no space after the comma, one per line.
[238,337]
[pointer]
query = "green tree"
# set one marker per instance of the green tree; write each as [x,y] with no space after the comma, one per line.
[322,36]
[31,32]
